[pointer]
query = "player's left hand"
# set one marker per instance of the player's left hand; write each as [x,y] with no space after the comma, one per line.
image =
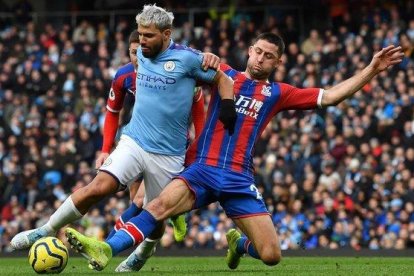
[210,61]
[101,159]
[387,57]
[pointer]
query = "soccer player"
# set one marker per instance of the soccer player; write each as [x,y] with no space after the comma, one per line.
[223,170]
[122,95]
[154,141]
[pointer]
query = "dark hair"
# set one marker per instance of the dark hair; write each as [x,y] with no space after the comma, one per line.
[133,37]
[274,39]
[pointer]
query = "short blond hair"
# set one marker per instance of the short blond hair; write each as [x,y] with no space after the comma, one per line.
[152,14]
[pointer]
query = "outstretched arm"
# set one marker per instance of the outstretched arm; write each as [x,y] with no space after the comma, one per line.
[385,58]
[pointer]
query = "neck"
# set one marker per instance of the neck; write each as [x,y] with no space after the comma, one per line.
[249,76]
[165,45]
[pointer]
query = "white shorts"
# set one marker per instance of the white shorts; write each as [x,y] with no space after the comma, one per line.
[129,161]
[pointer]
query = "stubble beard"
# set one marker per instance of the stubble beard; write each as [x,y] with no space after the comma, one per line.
[154,51]
[256,74]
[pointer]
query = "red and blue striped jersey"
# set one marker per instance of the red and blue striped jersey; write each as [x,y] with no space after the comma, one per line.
[123,82]
[256,103]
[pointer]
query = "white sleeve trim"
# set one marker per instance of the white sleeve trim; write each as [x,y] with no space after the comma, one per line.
[199,96]
[319,102]
[112,110]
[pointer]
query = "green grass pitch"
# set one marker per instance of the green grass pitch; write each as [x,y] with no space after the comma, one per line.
[248,266]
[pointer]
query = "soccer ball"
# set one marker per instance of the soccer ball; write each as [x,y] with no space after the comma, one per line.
[48,255]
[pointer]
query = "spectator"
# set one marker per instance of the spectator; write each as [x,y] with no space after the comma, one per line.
[331,179]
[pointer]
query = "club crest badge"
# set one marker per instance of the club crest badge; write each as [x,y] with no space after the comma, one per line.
[108,162]
[169,66]
[266,91]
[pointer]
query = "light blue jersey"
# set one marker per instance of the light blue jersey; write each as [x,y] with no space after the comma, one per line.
[163,100]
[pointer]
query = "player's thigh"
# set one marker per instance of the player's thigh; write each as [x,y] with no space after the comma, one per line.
[102,185]
[262,233]
[159,172]
[137,192]
[176,198]
[243,203]
[126,162]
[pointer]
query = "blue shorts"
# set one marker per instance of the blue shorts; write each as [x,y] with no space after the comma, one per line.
[235,191]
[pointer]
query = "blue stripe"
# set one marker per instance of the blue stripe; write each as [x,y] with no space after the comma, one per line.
[126,69]
[230,72]
[229,142]
[264,113]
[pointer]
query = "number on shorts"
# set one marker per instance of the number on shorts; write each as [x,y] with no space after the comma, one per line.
[253,188]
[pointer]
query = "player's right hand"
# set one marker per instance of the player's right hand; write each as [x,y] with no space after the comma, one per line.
[210,60]
[101,159]
[228,115]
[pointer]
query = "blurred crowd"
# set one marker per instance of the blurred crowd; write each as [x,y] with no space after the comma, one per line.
[340,177]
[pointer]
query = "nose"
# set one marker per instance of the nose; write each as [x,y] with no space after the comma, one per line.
[142,39]
[260,57]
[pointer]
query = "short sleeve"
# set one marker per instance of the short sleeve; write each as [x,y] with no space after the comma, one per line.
[197,72]
[116,95]
[300,99]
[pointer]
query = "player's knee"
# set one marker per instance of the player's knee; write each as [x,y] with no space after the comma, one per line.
[101,186]
[158,208]
[139,201]
[271,255]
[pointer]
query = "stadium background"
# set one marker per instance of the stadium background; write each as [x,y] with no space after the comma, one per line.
[341,177]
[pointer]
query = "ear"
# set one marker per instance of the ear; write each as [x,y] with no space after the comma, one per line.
[279,62]
[166,34]
[250,50]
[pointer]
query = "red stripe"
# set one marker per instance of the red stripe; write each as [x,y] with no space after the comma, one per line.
[246,245]
[189,187]
[119,223]
[214,97]
[250,215]
[246,130]
[134,232]
[213,154]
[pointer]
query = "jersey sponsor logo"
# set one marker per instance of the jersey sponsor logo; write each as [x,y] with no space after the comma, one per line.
[156,82]
[169,66]
[111,94]
[248,106]
[266,91]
